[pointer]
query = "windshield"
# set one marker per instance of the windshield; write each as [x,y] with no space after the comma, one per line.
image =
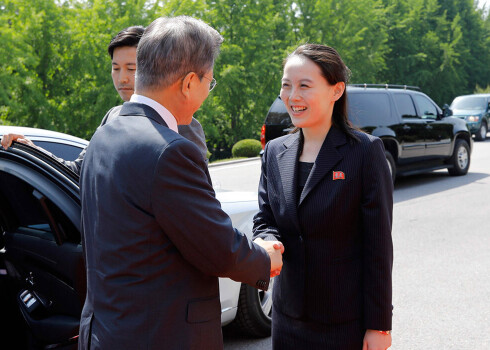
[468,102]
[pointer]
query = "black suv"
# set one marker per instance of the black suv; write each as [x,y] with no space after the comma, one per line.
[418,136]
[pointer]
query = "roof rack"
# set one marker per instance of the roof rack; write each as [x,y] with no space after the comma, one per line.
[387,86]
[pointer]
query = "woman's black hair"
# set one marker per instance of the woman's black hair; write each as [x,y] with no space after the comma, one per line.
[333,70]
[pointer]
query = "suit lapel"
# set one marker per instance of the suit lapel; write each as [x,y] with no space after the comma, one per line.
[287,160]
[140,109]
[326,160]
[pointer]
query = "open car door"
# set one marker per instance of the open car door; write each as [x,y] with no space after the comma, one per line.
[41,263]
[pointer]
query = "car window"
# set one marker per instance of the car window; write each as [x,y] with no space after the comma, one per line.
[405,106]
[469,102]
[426,108]
[278,114]
[30,209]
[369,109]
[63,151]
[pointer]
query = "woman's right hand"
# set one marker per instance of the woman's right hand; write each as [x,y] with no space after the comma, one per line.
[275,249]
[375,340]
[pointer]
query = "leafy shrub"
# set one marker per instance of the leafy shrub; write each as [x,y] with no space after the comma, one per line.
[246,148]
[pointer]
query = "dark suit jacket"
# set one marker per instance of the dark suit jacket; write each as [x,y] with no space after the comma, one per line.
[155,240]
[192,132]
[338,249]
[76,165]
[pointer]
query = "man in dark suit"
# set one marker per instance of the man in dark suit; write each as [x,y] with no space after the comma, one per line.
[154,235]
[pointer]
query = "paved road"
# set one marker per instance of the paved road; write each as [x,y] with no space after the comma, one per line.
[441,238]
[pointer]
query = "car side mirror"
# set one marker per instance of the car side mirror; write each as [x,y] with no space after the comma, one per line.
[446,111]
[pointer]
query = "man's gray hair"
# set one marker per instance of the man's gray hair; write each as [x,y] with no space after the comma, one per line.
[172,47]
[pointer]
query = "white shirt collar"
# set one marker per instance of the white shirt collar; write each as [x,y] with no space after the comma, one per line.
[162,111]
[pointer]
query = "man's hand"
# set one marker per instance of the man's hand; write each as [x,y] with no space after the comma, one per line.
[8,138]
[374,340]
[275,249]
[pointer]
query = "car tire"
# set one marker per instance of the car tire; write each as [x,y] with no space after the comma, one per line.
[481,135]
[254,311]
[391,165]
[460,160]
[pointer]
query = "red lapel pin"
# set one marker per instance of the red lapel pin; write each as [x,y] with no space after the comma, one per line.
[338,175]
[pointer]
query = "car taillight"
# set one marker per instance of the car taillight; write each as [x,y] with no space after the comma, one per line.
[262,136]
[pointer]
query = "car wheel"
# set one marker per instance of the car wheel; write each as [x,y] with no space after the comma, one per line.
[391,165]
[254,311]
[460,159]
[481,135]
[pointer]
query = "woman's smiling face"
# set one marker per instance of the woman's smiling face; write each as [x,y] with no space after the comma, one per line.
[308,96]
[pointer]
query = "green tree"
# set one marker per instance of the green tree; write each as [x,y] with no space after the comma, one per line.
[54,71]
[17,76]
[424,47]
[248,70]
[357,30]
[474,46]
[61,68]
[26,27]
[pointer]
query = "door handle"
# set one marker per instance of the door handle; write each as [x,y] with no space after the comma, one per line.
[46,303]
[406,127]
[428,127]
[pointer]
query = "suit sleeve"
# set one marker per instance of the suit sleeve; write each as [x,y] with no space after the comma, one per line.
[190,215]
[377,211]
[111,114]
[265,226]
[76,165]
[195,133]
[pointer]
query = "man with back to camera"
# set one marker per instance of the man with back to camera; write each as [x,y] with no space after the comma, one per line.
[122,50]
[155,238]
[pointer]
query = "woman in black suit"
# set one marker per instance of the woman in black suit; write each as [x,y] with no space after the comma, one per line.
[326,193]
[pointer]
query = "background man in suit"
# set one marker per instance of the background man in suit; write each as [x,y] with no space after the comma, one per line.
[122,50]
[154,235]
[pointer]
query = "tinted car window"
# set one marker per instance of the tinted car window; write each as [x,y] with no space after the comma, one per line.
[369,109]
[469,102]
[405,105]
[60,150]
[22,201]
[425,106]
[30,208]
[276,113]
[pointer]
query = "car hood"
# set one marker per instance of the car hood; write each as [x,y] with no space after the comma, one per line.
[233,197]
[465,112]
[238,202]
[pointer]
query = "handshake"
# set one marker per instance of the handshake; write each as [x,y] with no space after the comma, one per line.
[275,249]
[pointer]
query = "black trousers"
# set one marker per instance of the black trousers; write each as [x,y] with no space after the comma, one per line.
[289,333]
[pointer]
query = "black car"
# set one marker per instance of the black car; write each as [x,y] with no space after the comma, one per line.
[418,135]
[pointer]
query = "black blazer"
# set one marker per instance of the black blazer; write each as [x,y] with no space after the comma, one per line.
[155,240]
[338,248]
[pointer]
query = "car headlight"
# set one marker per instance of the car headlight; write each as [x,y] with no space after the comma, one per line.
[473,118]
